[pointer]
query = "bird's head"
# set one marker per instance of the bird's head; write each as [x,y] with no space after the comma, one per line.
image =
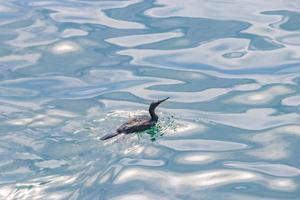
[154,104]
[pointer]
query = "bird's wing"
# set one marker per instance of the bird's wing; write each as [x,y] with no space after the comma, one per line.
[132,123]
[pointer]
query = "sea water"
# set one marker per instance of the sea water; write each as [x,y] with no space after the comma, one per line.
[72,71]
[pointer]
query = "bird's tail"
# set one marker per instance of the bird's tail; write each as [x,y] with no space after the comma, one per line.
[108,136]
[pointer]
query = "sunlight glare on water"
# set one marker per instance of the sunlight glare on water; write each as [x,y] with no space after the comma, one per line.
[72,71]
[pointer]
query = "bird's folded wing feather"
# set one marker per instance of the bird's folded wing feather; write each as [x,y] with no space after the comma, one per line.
[132,123]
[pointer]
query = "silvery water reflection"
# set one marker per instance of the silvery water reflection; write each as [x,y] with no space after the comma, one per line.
[74,70]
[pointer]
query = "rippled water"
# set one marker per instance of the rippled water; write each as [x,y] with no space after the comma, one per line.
[74,70]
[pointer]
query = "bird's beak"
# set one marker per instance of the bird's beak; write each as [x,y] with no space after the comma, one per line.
[160,101]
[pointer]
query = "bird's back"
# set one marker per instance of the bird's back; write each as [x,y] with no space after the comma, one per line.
[136,125]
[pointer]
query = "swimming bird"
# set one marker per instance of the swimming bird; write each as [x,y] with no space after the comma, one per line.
[138,124]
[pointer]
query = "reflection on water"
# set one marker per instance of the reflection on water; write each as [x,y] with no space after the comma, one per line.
[64,47]
[74,70]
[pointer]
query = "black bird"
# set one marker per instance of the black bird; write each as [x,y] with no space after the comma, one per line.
[138,124]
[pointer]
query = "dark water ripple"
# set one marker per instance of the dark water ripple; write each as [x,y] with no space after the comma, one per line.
[73,70]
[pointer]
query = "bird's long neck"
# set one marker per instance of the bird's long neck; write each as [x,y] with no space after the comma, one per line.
[154,117]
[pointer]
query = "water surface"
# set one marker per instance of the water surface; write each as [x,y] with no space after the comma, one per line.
[74,70]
